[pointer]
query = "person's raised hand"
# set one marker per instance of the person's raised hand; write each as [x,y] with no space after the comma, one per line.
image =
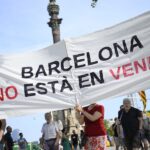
[78,108]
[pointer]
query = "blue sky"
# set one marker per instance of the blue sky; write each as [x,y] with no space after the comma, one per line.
[24,27]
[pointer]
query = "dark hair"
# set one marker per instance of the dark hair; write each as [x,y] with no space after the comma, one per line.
[115,118]
[20,134]
[8,127]
[1,124]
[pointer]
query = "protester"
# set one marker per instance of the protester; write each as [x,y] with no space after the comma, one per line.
[1,135]
[118,135]
[65,140]
[81,139]
[74,139]
[121,138]
[22,143]
[50,133]
[8,139]
[59,124]
[115,134]
[93,117]
[120,130]
[131,121]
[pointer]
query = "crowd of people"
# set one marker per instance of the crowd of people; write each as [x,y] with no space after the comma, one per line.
[92,138]
[131,131]
[7,142]
[55,137]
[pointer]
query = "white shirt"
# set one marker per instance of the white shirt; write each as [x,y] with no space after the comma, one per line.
[59,124]
[49,130]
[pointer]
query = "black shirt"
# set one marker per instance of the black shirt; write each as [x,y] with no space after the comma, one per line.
[9,141]
[74,139]
[114,127]
[130,121]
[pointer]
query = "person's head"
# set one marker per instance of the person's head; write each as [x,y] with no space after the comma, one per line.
[115,119]
[64,130]
[55,117]
[9,129]
[81,131]
[126,104]
[73,131]
[48,117]
[21,135]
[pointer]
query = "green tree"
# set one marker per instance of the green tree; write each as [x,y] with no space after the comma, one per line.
[106,123]
[108,127]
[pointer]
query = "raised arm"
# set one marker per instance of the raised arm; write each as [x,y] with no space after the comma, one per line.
[91,117]
[79,117]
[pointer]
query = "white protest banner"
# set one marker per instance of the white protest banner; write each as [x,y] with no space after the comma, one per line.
[105,64]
